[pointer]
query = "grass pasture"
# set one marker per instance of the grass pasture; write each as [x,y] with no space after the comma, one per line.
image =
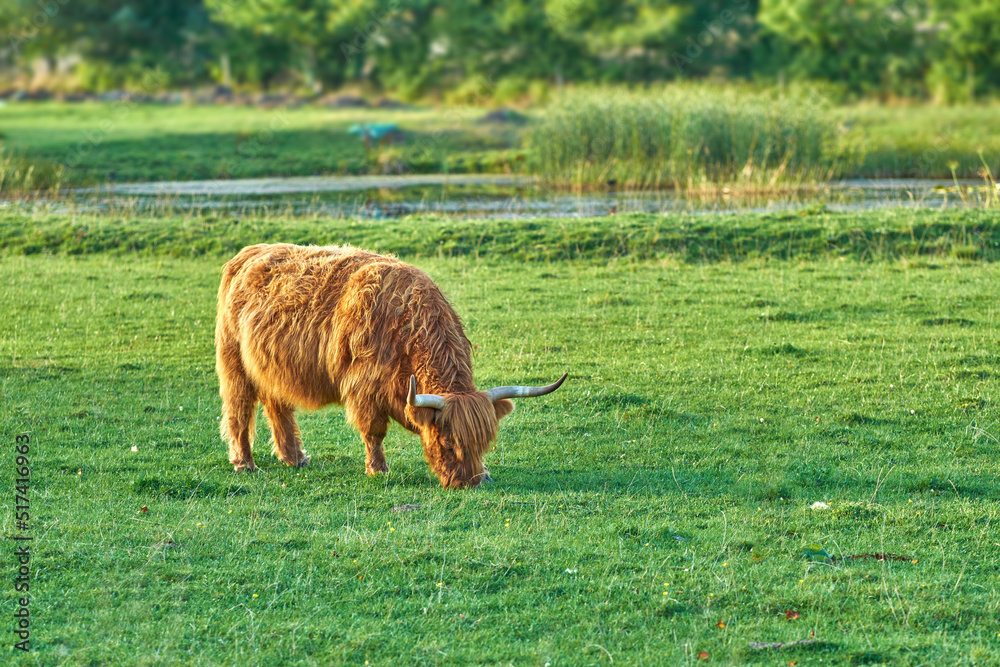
[98,143]
[693,137]
[655,509]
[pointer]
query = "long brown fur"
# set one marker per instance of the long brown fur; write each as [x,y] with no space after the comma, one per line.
[310,326]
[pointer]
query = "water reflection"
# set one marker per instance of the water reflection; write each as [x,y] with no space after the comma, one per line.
[474,196]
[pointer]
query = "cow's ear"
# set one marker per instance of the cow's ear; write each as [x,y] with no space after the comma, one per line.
[503,408]
[423,417]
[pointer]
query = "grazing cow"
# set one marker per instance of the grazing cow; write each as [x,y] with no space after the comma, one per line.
[310,326]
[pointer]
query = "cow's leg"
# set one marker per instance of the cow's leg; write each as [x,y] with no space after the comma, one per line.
[374,454]
[373,425]
[239,408]
[285,432]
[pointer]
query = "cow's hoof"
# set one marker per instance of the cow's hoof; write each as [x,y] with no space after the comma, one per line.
[374,470]
[301,463]
[244,467]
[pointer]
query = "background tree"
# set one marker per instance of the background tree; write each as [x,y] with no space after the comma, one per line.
[329,42]
[966,53]
[117,41]
[946,48]
[864,44]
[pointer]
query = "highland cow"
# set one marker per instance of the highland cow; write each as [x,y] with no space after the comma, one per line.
[310,326]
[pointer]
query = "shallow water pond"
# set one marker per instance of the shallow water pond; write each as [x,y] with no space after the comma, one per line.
[489,196]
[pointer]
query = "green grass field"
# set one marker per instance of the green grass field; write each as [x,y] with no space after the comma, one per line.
[919,141]
[97,143]
[724,376]
[106,142]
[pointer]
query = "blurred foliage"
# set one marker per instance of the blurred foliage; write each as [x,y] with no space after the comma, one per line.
[509,48]
[864,44]
[947,48]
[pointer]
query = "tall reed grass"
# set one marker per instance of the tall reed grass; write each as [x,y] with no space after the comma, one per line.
[21,177]
[685,136]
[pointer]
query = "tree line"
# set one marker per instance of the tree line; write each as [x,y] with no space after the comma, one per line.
[946,49]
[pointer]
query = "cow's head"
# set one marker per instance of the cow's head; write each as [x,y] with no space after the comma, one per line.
[457,429]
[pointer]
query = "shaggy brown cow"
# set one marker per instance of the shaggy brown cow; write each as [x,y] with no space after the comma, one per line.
[309,326]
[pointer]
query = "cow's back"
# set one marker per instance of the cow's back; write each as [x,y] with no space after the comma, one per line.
[277,309]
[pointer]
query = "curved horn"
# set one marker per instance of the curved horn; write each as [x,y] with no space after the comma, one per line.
[423,400]
[497,393]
